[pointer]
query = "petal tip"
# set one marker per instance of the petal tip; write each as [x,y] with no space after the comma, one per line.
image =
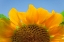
[53,11]
[31,6]
[13,9]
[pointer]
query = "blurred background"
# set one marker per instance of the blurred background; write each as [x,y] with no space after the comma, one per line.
[22,5]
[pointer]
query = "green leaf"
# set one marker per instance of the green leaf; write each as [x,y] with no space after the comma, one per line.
[6,19]
[62,13]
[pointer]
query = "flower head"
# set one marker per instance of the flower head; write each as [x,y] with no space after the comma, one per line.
[35,25]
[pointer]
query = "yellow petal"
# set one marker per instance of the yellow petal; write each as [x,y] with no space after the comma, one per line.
[5,27]
[22,17]
[61,29]
[54,30]
[13,15]
[58,38]
[5,39]
[8,33]
[31,14]
[12,25]
[42,15]
[55,19]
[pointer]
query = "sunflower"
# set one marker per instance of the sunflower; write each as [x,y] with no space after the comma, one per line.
[35,25]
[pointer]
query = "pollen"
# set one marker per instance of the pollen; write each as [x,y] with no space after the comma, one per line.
[31,33]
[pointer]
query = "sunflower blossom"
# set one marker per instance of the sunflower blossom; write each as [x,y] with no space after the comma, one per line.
[34,25]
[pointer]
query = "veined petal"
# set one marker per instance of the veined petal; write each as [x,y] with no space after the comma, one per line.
[55,19]
[31,14]
[58,38]
[4,26]
[54,29]
[22,17]
[13,15]
[61,29]
[42,15]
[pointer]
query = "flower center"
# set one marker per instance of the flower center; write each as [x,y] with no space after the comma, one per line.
[31,33]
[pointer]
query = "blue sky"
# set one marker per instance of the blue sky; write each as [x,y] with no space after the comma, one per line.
[22,5]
